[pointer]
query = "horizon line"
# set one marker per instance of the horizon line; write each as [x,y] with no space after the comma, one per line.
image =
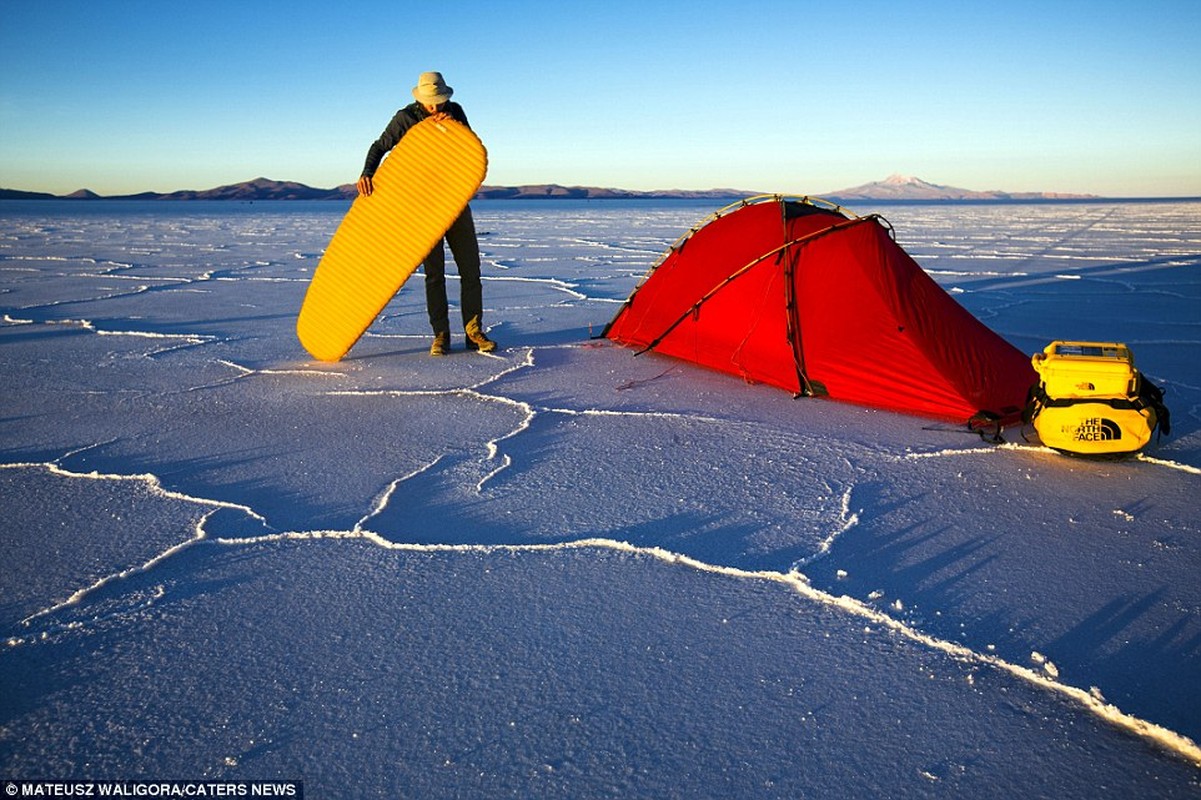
[347,189]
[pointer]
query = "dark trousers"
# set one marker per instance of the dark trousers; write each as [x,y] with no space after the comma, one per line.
[466,250]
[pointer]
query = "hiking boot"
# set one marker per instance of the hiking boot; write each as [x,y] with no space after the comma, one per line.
[441,344]
[477,339]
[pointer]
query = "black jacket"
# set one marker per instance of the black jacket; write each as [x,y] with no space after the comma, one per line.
[404,119]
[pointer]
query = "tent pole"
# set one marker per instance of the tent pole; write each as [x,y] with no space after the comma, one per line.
[791,258]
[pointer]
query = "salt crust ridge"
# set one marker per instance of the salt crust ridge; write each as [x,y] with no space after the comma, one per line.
[793,579]
[41,629]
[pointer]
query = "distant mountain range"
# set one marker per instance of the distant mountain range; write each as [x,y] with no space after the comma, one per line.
[266,189]
[894,188]
[257,189]
[906,187]
[553,191]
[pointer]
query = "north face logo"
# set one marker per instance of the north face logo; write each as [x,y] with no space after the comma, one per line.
[1096,429]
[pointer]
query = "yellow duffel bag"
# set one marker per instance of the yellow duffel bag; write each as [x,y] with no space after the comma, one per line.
[1090,400]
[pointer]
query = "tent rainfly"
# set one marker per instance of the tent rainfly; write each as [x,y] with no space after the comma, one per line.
[794,293]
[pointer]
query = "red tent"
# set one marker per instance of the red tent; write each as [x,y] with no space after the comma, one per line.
[795,294]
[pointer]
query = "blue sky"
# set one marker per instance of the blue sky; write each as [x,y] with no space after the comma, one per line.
[794,97]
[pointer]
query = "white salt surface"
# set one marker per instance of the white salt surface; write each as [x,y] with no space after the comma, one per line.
[563,571]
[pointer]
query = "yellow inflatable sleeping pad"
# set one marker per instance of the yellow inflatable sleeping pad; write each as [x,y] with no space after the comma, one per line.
[419,190]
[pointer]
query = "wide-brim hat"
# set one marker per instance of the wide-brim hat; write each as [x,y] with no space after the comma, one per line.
[431,89]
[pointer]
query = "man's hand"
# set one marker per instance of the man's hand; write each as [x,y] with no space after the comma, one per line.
[365,187]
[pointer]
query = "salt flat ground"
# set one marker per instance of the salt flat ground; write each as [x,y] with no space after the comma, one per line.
[562,570]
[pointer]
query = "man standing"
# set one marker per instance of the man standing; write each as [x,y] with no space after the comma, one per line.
[432,100]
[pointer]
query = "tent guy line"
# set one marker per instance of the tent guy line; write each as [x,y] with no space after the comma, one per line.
[1168,740]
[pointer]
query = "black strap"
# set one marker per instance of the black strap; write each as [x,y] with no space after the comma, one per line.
[988,425]
[1149,396]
